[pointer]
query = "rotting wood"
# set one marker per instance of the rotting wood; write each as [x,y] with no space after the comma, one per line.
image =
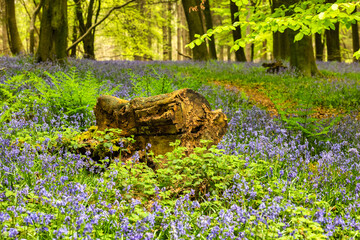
[183,115]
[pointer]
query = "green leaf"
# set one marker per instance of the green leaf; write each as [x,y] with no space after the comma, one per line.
[191,45]
[235,48]
[357,54]
[350,9]
[242,43]
[198,41]
[298,37]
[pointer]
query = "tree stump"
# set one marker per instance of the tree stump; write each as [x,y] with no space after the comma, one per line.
[183,115]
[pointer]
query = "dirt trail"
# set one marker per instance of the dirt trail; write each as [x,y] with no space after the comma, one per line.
[254,94]
[258,98]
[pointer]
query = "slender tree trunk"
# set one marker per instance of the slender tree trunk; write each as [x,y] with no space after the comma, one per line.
[221,55]
[333,41]
[149,35]
[73,38]
[53,31]
[88,41]
[263,51]
[167,33]
[333,44]
[15,43]
[281,41]
[4,38]
[178,31]
[209,25]
[32,27]
[240,53]
[355,38]
[195,24]
[169,30]
[185,34]
[165,44]
[319,47]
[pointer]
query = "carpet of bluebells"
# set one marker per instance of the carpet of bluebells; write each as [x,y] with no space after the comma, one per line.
[285,186]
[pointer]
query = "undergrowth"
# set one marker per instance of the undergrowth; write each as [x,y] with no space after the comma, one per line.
[291,177]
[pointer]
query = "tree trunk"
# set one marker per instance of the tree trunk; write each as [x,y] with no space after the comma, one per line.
[209,25]
[281,45]
[53,31]
[195,24]
[4,38]
[302,55]
[32,27]
[178,31]
[88,41]
[333,44]
[281,41]
[355,38]
[15,43]
[228,53]
[221,55]
[166,28]
[263,51]
[74,37]
[169,42]
[319,47]
[165,43]
[240,53]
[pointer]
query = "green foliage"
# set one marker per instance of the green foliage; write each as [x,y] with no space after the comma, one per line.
[306,17]
[68,95]
[72,94]
[301,119]
[205,170]
[152,83]
[100,144]
[18,94]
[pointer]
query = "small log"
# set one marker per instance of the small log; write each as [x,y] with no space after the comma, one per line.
[159,120]
[274,67]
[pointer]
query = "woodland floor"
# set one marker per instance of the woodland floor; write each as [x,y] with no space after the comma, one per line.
[258,98]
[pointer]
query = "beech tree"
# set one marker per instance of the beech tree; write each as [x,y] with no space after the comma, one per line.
[4,38]
[16,46]
[32,26]
[53,31]
[93,11]
[355,37]
[195,23]
[240,53]
[319,46]
[209,25]
[302,56]
[302,18]
[281,40]
[333,40]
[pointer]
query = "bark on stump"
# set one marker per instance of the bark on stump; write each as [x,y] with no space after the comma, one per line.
[160,120]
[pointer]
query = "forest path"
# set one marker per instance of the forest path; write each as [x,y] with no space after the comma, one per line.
[258,98]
